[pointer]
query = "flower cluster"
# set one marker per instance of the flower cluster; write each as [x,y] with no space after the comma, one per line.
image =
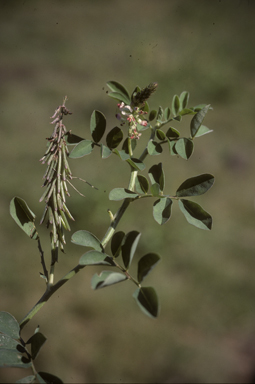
[57,174]
[132,116]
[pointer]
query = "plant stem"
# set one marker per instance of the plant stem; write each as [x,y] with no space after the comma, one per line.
[51,289]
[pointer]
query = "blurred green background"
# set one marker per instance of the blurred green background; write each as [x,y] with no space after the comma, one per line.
[205,281]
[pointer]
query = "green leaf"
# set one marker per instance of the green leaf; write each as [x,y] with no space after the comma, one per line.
[27,380]
[114,137]
[160,134]
[141,184]
[9,325]
[72,139]
[146,264]
[167,113]
[117,194]
[95,258]
[119,88]
[184,147]
[160,114]
[203,130]
[187,111]
[48,378]
[129,246]
[197,120]
[198,107]
[196,185]
[172,133]
[175,105]
[86,239]
[195,214]
[184,99]
[83,148]
[122,154]
[36,341]
[24,217]
[120,97]
[154,148]
[147,300]
[155,189]
[162,210]
[106,278]
[152,115]
[136,163]
[116,243]
[105,151]
[7,342]
[172,144]
[13,358]
[156,175]
[97,125]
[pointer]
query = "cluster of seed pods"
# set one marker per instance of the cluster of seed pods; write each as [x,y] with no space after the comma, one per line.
[56,177]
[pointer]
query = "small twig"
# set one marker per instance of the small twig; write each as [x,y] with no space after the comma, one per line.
[45,272]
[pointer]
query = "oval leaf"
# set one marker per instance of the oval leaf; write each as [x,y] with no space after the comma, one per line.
[119,88]
[136,163]
[175,105]
[116,243]
[26,380]
[203,130]
[184,147]
[107,278]
[83,148]
[72,139]
[36,341]
[146,264]
[86,239]
[162,210]
[121,193]
[12,358]
[9,325]
[129,246]
[197,120]
[120,97]
[95,258]
[114,137]
[172,133]
[147,299]
[184,98]
[48,378]
[105,151]
[141,184]
[152,115]
[196,185]
[97,125]
[156,175]
[154,148]
[24,217]
[195,214]
[160,134]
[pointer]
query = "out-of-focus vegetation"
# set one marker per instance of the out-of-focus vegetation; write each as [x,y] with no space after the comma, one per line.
[206,330]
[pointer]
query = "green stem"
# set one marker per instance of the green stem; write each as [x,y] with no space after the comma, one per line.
[51,289]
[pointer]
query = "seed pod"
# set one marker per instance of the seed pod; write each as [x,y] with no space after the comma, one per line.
[64,221]
[44,214]
[44,193]
[66,210]
[50,191]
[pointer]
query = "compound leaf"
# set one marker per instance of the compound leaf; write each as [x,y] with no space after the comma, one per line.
[106,278]
[147,299]
[95,258]
[196,185]
[195,214]
[129,246]
[86,239]
[162,209]
[24,217]
[97,125]
[197,120]
[117,194]
[83,148]
[146,264]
